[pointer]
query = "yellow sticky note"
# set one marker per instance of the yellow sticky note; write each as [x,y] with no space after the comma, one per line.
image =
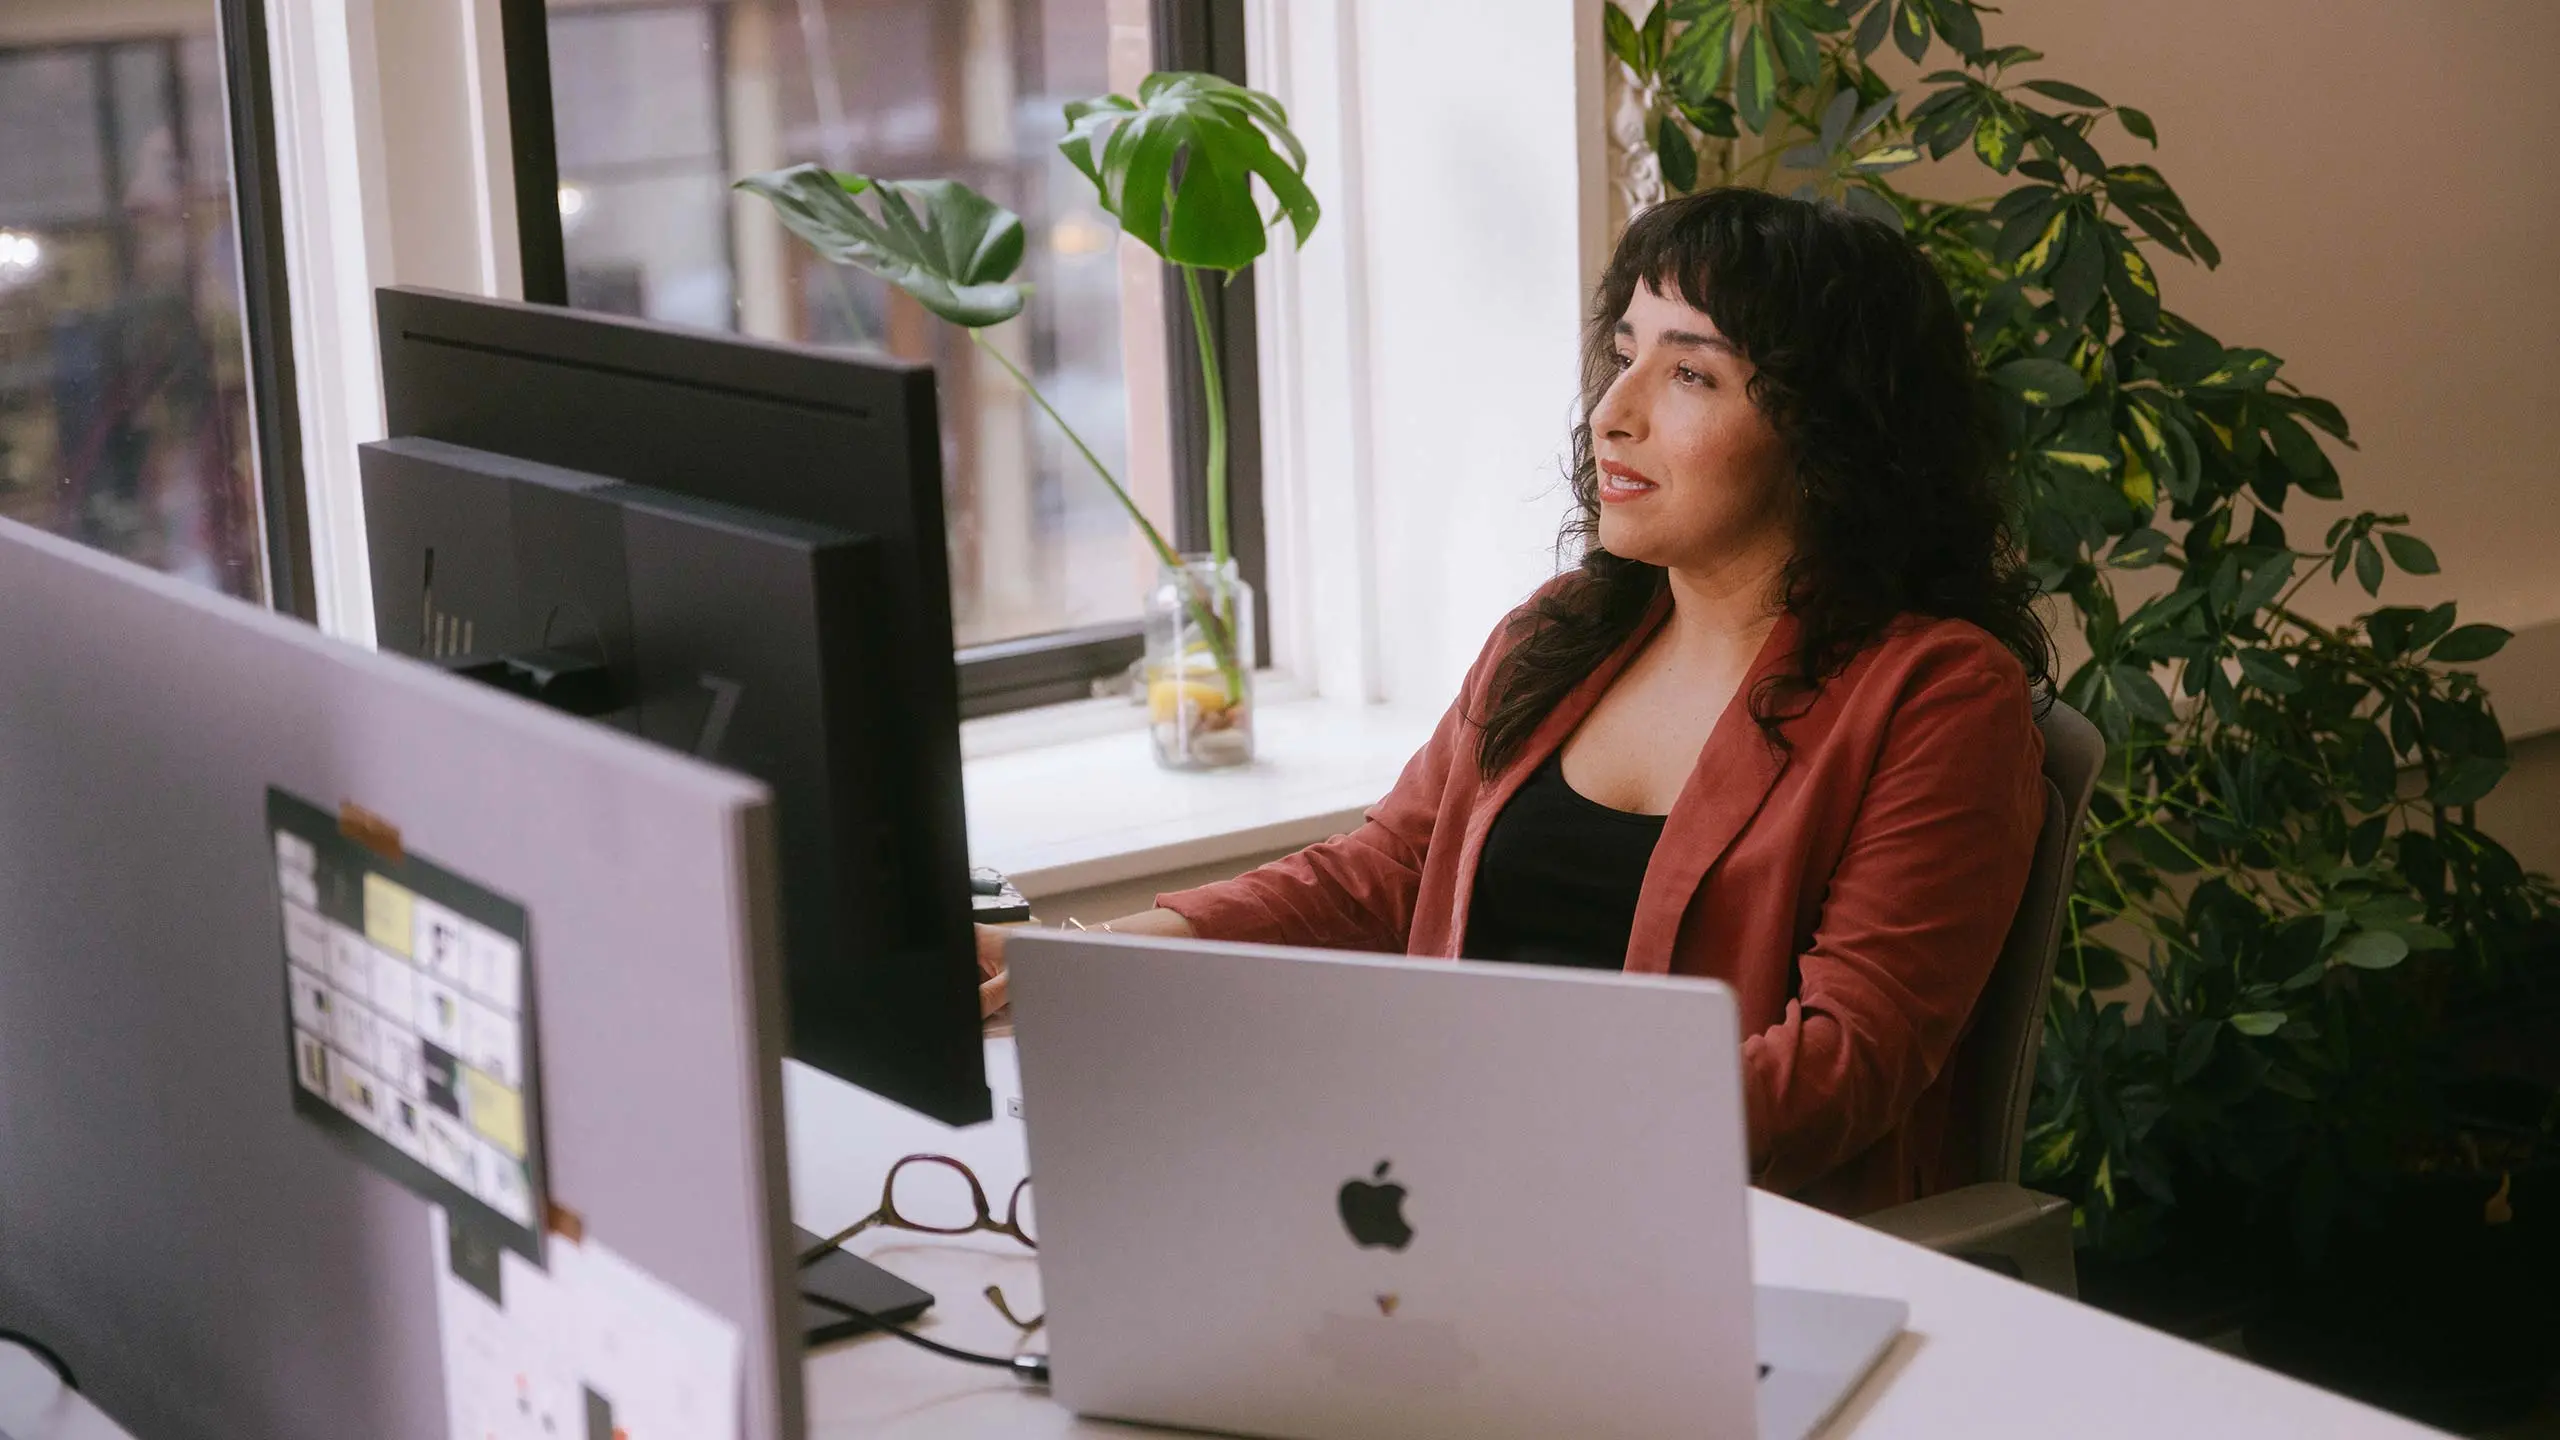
[387,914]
[495,1111]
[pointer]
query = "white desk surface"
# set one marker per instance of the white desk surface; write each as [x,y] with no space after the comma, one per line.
[34,1405]
[1984,1356]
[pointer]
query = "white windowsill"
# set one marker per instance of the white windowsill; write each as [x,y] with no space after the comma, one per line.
[1048,726]
[1097,810]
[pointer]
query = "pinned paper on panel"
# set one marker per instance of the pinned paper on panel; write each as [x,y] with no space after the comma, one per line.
[409,1027]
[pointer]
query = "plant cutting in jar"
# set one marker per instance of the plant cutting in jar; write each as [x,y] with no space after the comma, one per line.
[1175,167]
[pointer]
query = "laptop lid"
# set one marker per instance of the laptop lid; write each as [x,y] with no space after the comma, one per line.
[1300,1193]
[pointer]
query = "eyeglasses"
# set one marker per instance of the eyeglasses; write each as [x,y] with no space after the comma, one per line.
[937,1195]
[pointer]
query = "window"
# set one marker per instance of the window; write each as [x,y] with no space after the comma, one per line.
[129,416]
[656,106]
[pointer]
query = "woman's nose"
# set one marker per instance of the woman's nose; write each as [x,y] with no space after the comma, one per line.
[1620,415]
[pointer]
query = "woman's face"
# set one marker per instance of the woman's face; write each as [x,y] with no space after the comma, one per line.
[1692,476]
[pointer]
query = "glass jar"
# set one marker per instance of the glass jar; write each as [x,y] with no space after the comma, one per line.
[1199,666]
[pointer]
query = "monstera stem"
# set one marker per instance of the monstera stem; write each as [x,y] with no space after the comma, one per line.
[1213,389]
[1211,619]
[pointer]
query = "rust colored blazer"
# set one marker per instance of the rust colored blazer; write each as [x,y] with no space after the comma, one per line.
[1853,890]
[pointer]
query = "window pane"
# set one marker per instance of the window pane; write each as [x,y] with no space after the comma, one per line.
[656,108]
[124,387]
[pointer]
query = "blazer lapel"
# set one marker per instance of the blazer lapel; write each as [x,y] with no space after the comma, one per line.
[1543,742]
[1731,781]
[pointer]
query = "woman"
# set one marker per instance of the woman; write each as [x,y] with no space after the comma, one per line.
[1775,729]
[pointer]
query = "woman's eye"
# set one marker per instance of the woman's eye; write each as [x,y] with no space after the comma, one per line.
[1620,359]
[1690,377]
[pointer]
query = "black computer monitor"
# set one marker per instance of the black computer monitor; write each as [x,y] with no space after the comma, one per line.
[796,626]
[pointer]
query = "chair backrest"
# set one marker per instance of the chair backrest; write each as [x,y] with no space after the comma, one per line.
[1997,1060]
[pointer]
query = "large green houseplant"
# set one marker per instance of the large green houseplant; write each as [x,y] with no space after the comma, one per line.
[1175,166]
[2283,886]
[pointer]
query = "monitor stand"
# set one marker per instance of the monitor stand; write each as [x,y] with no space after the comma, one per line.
[840,1284]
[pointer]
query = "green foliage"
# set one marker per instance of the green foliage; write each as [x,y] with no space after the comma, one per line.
[1175,166]
[2282,882]
[952,248]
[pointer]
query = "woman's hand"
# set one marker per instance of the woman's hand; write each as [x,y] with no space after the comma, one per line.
[992,996]
[993,992]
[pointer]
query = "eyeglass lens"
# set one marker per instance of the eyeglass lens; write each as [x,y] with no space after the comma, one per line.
[931,1192]
[1022,1214]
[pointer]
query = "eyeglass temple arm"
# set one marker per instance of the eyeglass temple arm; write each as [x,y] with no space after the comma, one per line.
[995,1297]
[819,1251]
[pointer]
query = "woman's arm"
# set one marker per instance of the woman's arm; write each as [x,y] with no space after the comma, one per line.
[1356,891]
[1911,924]
[994,988]
[1353,892]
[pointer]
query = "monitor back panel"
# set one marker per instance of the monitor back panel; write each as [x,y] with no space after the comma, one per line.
[745,639]
[851,443]
[212,1265]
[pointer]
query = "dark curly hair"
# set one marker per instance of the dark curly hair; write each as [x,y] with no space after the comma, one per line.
[1864,371]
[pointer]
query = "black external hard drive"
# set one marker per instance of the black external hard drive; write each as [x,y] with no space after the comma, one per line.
[850,1283]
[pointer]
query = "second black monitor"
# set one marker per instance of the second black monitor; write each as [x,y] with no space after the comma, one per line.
[818,485]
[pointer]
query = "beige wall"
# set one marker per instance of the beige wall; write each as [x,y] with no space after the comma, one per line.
[2524,812]
[2380,183]
[2379,178]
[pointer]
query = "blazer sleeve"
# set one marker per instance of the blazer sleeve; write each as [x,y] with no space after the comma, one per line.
[1355,891]
[1911,924]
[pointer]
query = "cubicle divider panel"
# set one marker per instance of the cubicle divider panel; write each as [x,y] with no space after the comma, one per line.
[213,1265]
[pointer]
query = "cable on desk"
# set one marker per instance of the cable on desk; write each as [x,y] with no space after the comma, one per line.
[1030,1369]
[54,1362]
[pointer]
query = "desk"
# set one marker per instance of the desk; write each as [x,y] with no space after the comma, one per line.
[35,1406]
[1984,1356]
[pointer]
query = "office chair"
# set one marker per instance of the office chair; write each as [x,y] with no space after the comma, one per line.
[1997,1222]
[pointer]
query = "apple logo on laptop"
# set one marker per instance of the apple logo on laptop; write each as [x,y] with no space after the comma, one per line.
[1373,1211]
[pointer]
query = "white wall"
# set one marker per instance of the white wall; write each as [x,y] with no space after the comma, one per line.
[1476,267]
[1421,373]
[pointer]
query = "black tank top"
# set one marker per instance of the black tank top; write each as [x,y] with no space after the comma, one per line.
[1557,882]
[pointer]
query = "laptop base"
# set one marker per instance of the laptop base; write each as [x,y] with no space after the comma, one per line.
[1816,1348]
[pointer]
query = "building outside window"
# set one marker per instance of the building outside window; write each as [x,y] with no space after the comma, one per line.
[658,106]
[125,391]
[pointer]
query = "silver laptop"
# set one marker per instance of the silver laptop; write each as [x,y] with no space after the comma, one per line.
[1306,1194]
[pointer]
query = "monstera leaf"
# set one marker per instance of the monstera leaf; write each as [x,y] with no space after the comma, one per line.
[952,248]
[1176,165]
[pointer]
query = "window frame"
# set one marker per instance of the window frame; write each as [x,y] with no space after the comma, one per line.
[257,212]
[1058,666]
[524,37]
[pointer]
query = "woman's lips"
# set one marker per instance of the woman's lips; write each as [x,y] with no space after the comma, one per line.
[1621,483]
